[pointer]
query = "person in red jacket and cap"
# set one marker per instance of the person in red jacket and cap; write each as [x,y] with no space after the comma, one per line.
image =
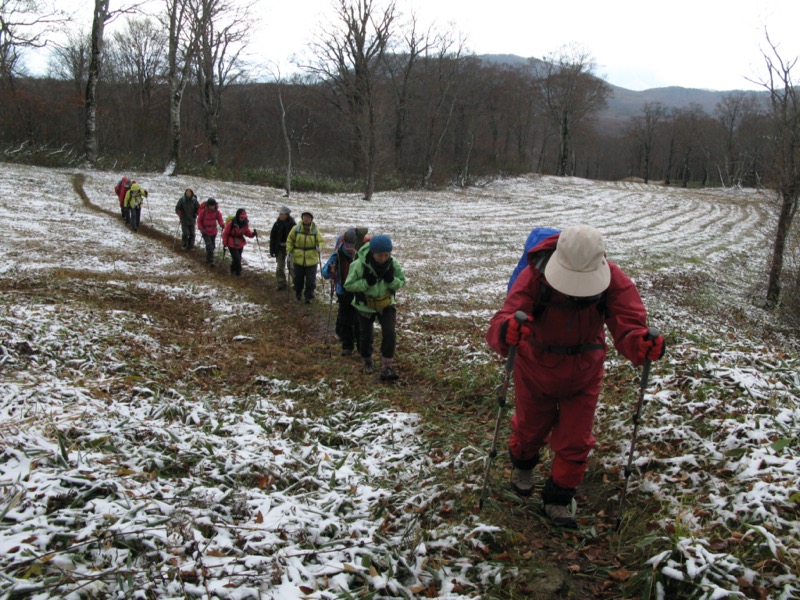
[570,292]
[233,238]
[208,217]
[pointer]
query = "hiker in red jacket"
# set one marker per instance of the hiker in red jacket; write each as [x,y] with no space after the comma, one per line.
[233,238]
[122,187]
[570,291]
[208,217]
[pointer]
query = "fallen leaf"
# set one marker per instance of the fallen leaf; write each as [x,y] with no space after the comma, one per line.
[620,575]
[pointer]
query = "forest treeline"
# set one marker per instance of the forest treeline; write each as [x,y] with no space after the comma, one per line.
[443,119]
[378,103]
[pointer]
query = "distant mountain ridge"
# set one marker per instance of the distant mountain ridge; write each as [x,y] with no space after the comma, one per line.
[625,103]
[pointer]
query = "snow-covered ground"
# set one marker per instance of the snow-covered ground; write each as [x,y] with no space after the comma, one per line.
[269,501]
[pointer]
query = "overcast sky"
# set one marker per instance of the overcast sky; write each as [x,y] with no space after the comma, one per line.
[637,44]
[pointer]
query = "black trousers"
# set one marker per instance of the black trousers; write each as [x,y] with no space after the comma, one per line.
[236,260]
[387,319]
[305,277]
[347,322]
[188,234]
[210,241]
[136,216]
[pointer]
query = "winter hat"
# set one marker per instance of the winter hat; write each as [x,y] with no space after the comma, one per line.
[241,215]
[361,234]
[211,202]
[578,267]
[284,210]
[349,241]
[380,243]
[128,183]
[307,213]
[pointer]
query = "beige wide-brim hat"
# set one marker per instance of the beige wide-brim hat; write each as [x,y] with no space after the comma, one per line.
[578,267]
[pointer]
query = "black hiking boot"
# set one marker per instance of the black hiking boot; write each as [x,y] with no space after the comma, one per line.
[389,374]
[368,368]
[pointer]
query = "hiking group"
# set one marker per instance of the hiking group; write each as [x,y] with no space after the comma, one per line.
[560,298]
[131,195]
[363,273]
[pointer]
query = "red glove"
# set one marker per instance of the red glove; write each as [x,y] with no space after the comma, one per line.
[651,349]
[513,332]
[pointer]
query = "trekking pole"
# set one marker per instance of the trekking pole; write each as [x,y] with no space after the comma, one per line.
[260,255]
[328,326]
[652,333]
[289,274]
[521,317]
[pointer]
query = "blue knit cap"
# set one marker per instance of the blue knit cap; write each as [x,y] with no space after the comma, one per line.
[380,243]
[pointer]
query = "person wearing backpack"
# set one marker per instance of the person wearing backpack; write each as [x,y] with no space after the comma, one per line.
[373,279]
[122,187]
[277,243]
[208,217]
[133,203]
[233,238]
[337,268]
[186,209]
[570,292]
[304,245]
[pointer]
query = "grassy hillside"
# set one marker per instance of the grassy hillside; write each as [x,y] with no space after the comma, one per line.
[168,430]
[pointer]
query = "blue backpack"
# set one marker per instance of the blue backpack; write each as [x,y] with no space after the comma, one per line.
[537,235]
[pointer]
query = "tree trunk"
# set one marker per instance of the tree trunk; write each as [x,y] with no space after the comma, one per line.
[372,152]
[93,76]
[288,142]
[175,100]
[788,208]
[563,153]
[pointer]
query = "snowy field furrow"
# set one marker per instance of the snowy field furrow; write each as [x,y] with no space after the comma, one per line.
[106,471]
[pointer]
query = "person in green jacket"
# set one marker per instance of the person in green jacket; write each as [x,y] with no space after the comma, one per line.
[374,278]
[304,245]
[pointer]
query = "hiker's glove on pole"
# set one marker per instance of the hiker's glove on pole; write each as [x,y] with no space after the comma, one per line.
[388,277]
[255,233]
[513,332]
[651,349]
[371,278]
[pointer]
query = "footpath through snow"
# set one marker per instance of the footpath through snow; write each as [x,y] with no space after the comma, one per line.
[127,468]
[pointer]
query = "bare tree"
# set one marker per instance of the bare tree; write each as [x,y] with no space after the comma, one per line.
[100,17]
[70,61]
[732,112]
[180,21]
[221,33]
[785,113]
[644,128]
[443,65]
[24,24]
[571,93]
[287,140]
[348,56]
[139,55]
[400,66]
